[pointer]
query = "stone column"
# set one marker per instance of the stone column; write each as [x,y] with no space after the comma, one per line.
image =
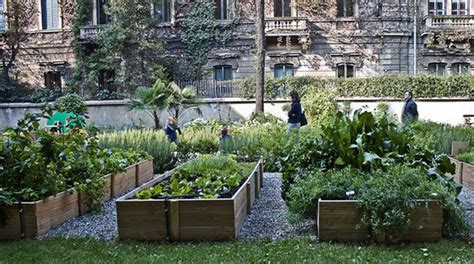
[448,7]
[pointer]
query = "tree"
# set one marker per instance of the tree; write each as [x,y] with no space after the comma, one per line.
[128,45]
[18,16]
[181,101]
[153,100]
[164,95]
[260,71]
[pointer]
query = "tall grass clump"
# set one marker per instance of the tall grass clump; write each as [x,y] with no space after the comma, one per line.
[154,142]
[439,137]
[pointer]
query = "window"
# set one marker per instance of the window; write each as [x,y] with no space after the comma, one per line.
[102,17]
[436,7]
[49,14]
[284,70]
[221,9]
[282,8]
[162,10]
[106,80]
[52,80]
[2,17]
[346,8]
[345,70]
[459,7]
[223,73]
[438,69]
[461,68]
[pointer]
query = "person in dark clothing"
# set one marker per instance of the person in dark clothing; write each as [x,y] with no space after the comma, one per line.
[294,115]
[410,110]
[171,130]
[225,135]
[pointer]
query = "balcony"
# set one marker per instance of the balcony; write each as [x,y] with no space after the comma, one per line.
[288,26]
[89,32]
[449,22]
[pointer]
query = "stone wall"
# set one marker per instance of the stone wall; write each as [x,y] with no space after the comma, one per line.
[114,114]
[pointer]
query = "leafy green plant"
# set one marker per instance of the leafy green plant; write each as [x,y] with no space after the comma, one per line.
[71,103]
[207,176]
[319,107]
[467,157]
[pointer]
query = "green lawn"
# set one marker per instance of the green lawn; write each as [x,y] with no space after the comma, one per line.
[288,251]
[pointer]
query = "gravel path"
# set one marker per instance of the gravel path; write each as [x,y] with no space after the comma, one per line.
[267,219]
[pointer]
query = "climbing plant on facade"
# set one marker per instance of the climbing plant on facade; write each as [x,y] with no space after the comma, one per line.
[200,32]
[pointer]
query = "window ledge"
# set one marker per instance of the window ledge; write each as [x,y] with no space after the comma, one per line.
[46,31]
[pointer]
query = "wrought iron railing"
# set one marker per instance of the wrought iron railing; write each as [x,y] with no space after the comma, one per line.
[212,88]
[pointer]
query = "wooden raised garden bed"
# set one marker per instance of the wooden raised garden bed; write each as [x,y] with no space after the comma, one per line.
[187,219]
[338,220]
[36,218]
[464,174]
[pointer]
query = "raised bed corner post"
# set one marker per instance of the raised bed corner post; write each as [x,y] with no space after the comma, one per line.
[22,220]
[260,171]
[249,197]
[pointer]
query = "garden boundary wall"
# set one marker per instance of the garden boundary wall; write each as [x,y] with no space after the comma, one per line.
[115,114]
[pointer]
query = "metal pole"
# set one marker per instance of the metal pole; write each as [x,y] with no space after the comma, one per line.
[415,37]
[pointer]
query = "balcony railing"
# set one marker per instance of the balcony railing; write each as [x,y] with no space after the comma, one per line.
[288,25]
[450,22]
[88,32]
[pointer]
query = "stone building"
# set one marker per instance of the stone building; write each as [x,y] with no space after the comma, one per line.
[332,38]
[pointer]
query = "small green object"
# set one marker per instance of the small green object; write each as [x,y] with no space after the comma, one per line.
[63,121]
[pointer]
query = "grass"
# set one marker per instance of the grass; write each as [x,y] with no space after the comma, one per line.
[61,250]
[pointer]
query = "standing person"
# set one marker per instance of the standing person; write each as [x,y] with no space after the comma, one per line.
[294,115]
[171,130]
[410,110]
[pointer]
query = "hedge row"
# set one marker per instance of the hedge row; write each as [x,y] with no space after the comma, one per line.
[422,86]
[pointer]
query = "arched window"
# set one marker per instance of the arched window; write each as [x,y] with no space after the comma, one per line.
[438,69]
[222,10]
[345,70]
[460,68]
[284,70]
[162,10]
[282,8]
[52,80]
[436,7]
[223,73]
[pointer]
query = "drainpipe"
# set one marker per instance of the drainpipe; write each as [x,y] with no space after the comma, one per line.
[414,38]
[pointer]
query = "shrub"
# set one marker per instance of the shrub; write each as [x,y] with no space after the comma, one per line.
[423,86]
[318,107]
[387,197]
[71,103]
[152,142]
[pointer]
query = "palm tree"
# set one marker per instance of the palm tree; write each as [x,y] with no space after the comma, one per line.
[152,100]
[181,101]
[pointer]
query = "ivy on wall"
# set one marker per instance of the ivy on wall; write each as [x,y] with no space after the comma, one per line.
[201,31]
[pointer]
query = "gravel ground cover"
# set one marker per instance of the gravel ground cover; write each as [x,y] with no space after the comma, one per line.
[267,219]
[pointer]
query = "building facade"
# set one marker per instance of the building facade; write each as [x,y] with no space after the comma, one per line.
[331,38]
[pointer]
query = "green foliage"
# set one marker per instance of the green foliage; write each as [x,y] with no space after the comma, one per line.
[439,137]
[71,103]
[152,142]
[107,95]
[257,118]
[467,157]
[207,176]
[200,32]
[127,45]
[35,163]
[319,107]
[423,86]
[387,197]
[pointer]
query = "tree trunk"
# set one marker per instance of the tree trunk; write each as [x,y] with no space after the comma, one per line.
[260,42]
[156,118]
